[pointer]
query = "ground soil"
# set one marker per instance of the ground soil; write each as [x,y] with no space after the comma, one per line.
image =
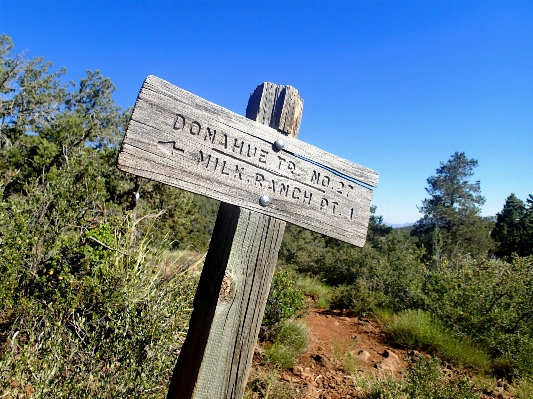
[346,354]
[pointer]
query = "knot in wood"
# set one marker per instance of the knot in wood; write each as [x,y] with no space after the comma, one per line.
[225,289]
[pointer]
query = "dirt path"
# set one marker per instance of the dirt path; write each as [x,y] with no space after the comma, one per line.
[343,355]
[341,349]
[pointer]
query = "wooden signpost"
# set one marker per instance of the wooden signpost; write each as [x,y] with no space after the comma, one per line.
[264,177]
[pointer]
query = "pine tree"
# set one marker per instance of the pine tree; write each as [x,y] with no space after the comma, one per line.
[527,228]
[508,230]
[513,232]
[452,224]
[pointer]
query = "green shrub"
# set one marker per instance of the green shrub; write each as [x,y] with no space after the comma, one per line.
[524,358]
[115,335]
[293,335]
[320,292]
[418,329]
[490,301]
[357,297]
[424,381]
[390,276]
[289,342]
[285,299]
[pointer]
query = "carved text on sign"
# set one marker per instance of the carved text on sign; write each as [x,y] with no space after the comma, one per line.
[246,162]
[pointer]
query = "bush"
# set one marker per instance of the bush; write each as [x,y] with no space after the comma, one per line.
[116,335]
[424,380]
[285,299]
[490,301]
[288,343]
[389,276]
[358,297]
[418,329]
[320,292]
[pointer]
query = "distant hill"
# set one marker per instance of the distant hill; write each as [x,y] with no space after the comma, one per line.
[398,225]
[406,229]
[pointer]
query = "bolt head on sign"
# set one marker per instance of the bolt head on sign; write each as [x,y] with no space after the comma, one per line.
[180,139]
[279,144]
[264,200]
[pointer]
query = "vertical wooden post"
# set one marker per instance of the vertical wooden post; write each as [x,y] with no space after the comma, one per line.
[231,296]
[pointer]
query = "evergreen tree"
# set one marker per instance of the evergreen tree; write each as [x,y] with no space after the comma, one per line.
[452,224]
[508,230]
[376,228]
[527,228]
[513,232]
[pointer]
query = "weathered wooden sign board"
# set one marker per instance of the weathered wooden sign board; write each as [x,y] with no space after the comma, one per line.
[264,177]
[180,139]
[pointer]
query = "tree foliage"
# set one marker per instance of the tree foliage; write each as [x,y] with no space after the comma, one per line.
[513,232]
[79,293]
[451,222]
[377,229]
[61,195]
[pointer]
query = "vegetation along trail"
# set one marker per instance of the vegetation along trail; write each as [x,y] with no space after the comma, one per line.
[98,271]
[353,357]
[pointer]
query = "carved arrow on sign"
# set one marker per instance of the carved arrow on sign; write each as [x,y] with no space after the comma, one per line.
[182,140]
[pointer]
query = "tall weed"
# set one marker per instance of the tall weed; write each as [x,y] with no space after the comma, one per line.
[291,340]
[117,334]
[424,380]
[266,385]
[418,329]
[320,292]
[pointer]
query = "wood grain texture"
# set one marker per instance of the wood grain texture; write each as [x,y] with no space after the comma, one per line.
[205,303]
[182,140]
[279,107]
[216,356]
[230,301]
[242,300]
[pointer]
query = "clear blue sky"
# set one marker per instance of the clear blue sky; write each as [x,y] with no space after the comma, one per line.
[396,86]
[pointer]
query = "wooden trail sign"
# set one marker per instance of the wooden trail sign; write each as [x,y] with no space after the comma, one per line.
[180,139]
[233,289]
